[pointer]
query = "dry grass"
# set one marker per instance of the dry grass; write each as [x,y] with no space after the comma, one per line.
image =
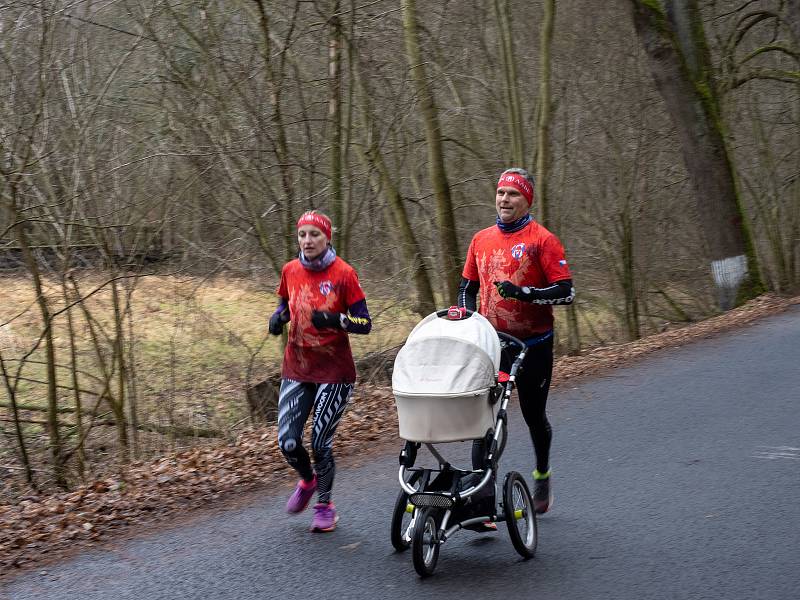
[198,343]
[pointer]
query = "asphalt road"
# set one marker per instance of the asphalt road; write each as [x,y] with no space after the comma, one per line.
[675,477]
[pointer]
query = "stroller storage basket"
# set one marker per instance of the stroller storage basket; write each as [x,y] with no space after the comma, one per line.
[431,499]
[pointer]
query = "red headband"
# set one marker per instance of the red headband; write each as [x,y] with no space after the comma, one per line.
[519,183]
[319,221]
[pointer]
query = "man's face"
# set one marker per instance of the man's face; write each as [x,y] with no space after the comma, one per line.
[510,203]
[312,241]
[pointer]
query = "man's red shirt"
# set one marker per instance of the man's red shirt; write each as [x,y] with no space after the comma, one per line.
[318,355]
[532,257]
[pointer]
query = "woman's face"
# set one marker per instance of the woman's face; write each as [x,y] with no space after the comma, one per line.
[312,241]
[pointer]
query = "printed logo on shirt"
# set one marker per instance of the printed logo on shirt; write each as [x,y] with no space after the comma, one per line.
[326,287]
[562,262]
[517,251]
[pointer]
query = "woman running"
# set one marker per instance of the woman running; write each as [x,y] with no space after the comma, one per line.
[321,295]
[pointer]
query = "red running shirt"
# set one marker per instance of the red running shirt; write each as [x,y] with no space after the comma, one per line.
[318,355]
[531,257]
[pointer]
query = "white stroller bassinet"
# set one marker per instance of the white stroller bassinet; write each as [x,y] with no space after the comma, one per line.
[443,378]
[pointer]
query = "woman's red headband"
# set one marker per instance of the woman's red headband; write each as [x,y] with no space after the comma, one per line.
[519,183]
[318,220]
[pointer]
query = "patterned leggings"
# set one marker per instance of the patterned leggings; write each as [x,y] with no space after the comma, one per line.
[295,401]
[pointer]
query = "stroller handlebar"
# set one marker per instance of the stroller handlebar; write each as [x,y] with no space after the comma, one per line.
[504,337]
[459,312]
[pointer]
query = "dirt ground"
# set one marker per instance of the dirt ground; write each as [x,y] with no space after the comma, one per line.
[41,529]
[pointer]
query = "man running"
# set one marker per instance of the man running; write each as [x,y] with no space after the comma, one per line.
[520,270]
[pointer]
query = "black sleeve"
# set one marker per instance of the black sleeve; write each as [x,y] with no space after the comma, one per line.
[561,292]
[468,294]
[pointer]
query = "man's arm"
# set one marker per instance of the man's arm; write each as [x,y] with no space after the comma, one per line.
[468,294]
[560,292]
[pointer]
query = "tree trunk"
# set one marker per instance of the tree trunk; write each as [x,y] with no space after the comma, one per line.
[543,121]
[11,392]
[335,123]
[116,405]
[680,63]
[451,258]
[793,20]
[382,182]
[628,271]
[73,351]
[53,431]
[274,80]
[513,102]
[543,147]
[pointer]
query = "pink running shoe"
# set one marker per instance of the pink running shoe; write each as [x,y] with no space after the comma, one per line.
[325,517]
[299,500]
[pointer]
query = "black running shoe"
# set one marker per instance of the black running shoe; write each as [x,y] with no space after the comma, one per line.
[542,494]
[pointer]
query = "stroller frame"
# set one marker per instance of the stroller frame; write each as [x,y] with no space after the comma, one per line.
[440,506]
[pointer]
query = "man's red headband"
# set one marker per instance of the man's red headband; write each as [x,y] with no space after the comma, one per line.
[519,183]
[319,221]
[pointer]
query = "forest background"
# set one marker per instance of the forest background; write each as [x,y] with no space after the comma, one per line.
[155,155]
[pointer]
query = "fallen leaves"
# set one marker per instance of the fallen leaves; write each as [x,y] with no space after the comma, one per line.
[38,526]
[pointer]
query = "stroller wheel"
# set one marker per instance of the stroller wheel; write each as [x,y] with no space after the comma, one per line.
[520,516]
[401,523]
[425,543]
[402,520]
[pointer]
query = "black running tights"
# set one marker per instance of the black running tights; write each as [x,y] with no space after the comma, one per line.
[533,385]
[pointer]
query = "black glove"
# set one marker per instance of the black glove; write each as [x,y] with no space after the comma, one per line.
[508,290]
[322,319]
[276,324]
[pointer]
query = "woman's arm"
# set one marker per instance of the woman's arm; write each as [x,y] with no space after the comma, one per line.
[283,309]
[279,317]
[357,319]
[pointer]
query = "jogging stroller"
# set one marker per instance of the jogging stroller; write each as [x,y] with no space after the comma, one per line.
[447,388]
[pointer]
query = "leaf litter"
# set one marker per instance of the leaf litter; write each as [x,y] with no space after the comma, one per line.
[39,529]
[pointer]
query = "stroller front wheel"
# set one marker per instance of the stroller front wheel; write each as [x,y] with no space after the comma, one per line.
[425,542]
[401,523]
[520,516]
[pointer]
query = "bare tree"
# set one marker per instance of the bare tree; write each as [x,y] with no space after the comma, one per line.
[675,42]
[382,180]
[450,255]
[511,86]
[543,142]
